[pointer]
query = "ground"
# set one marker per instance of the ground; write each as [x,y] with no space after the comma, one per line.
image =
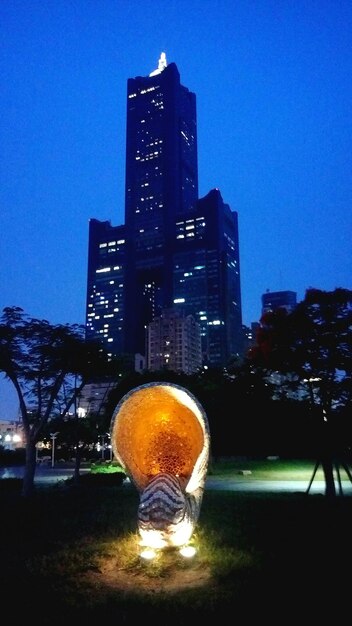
[141,579]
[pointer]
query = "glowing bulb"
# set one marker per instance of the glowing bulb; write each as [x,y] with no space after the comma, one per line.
[188,551]
[148,554]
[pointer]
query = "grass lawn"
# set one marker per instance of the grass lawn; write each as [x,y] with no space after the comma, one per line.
[71,556]
[272,468]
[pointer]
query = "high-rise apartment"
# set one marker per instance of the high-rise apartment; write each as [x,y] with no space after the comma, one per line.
[175,251]
[174,343]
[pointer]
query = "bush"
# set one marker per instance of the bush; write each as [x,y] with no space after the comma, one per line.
[100,479]
[106,467]
[10,458]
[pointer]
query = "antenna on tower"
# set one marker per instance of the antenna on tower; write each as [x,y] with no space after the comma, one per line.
[162,63]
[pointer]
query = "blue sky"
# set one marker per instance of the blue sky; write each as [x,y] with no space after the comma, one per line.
[273,86]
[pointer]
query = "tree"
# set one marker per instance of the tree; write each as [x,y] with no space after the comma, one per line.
[48,366]
[310,352]
[77,436]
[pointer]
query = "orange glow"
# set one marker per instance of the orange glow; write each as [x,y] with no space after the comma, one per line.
[158,430]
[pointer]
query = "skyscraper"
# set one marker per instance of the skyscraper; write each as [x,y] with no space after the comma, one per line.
[105,307]
[161,183]
[175,251]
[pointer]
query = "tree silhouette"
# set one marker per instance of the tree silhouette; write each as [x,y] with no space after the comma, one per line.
[48,366]
[309,352]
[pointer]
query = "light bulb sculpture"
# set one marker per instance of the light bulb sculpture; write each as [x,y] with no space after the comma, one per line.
[160,436]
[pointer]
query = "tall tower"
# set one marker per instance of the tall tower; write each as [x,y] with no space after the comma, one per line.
[161,183]
[161,154]
[175,251]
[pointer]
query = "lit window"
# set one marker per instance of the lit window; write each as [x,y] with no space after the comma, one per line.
[103,269]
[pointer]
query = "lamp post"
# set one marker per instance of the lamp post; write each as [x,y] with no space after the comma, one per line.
[53,437]
[110,446]
[102,437]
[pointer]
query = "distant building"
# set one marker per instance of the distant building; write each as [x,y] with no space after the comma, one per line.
[94,398]
[250,336]
[11,435]
[175,250]
[174,343]
[139,363]
[272,300]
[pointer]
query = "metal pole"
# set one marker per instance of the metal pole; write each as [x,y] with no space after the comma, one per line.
[53,452]
[109,446]
[53,437]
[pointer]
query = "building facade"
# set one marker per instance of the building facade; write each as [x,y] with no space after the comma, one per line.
[94,398]
[272,300]
[105,308]
[175,251]
[174,343]
[11,435]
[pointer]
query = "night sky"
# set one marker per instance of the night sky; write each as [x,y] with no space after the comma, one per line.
[273,87]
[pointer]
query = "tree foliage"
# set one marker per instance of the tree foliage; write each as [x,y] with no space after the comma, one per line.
[310,352]
[48,366]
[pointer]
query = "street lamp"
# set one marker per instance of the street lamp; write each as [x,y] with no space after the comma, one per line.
[53,437]
[109,446]
[102,437]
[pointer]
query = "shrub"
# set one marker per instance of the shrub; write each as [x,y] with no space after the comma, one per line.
[100,479]
[106,467]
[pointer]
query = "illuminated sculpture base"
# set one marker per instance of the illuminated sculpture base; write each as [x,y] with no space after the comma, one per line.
[160,436]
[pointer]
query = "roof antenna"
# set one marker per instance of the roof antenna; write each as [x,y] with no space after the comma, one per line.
[162,63]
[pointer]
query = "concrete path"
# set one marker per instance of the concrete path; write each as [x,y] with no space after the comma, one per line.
[46,475]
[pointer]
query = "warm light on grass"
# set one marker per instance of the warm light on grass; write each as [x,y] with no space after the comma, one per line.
[188,551]
[178,537]
[148,554]
[153,539]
